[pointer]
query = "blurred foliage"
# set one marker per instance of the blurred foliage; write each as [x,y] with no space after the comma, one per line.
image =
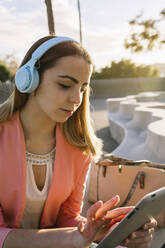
[11,62]
[144,34]
[8,68]
[125,69]
[4,73]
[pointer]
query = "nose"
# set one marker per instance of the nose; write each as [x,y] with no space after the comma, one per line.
[76,97]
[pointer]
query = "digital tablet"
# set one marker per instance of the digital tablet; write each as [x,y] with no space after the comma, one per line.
[150,205]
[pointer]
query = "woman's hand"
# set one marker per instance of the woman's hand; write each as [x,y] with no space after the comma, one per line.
[141,238]
[101,219]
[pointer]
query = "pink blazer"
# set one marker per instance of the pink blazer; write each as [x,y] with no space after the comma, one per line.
[64,201]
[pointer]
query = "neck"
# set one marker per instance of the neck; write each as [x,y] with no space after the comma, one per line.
[38,128]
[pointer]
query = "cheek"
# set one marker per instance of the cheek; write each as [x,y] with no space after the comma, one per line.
[47,92]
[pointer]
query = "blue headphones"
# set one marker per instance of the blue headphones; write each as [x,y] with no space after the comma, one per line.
[27,76]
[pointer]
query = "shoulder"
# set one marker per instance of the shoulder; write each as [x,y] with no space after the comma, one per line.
[10,124]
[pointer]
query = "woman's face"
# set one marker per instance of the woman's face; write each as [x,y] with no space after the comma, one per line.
[62,87]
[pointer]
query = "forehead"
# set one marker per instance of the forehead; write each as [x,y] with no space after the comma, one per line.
[73,66]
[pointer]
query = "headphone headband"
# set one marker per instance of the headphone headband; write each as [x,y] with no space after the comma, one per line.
[27,76]
[44,47]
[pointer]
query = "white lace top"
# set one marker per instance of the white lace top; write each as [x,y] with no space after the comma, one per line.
[35,198]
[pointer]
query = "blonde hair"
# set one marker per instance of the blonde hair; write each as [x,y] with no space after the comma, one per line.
[77,129]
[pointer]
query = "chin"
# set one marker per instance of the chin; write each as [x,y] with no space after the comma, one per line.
[61,120]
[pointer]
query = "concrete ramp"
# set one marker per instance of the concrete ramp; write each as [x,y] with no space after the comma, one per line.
[137,123]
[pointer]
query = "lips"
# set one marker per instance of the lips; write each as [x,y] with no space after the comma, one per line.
[68,111]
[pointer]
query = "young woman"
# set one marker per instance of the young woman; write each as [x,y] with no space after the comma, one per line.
[46,146]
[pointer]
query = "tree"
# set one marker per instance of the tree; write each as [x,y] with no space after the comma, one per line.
[4,73]
[50,17]
[10,62]
[125,69]
[8,67]
[145,34]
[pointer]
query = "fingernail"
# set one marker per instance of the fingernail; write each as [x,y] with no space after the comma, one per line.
[81,228]
[133,235]
[114,198]
[117,198]
[100,202]
[145,226]
[126,242]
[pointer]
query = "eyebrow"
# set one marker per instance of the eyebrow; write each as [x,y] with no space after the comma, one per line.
[71,78]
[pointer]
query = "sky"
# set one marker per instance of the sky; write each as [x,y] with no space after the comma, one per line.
[104,26]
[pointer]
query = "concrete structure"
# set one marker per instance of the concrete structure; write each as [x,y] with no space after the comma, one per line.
[137,123]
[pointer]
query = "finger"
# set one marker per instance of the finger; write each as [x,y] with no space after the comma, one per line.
[138,242]
[113,226]
[80,227]
[151,224]
[138,245]
[92,211]
[107,206]
[114,213]
[141,233]
[110,229]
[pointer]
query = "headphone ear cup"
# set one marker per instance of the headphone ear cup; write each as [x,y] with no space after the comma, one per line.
[34,81]
[27,79]
[23,78]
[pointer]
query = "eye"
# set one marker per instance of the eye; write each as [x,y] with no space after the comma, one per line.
[64,86]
